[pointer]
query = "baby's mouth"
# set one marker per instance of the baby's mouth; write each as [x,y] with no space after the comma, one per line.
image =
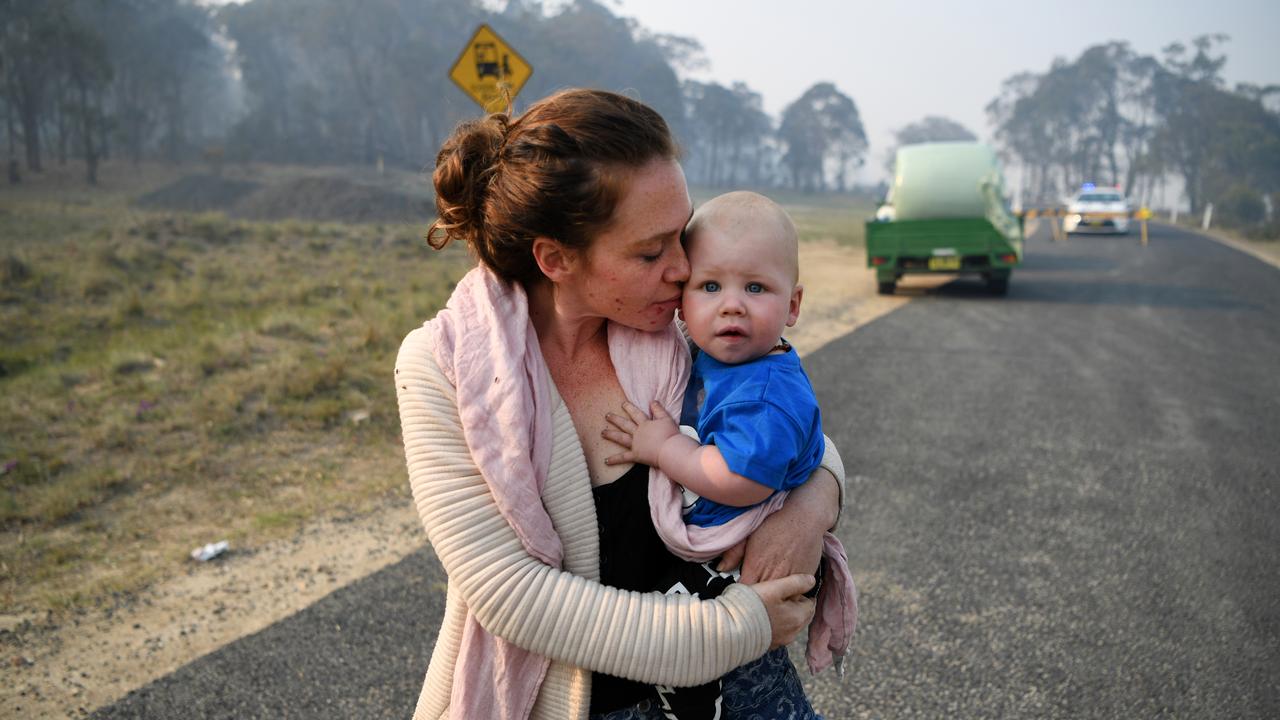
[732,332]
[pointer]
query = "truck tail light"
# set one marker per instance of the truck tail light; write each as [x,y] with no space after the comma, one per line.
[877,261]
[1008,258]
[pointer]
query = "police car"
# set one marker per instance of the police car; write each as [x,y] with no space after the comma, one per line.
[1097,209]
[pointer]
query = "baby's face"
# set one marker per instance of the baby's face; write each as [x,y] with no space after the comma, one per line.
[741,291]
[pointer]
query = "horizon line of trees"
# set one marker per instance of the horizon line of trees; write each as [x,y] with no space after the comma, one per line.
[1113,116]
[335,82]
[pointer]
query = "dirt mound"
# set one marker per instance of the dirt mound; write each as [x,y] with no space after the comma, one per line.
[198,193]
[331,199]
[325,199]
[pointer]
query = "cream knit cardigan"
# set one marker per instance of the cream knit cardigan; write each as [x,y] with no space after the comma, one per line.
[565,614]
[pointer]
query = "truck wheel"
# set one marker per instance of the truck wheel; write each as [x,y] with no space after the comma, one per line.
[998,285]
[886,286]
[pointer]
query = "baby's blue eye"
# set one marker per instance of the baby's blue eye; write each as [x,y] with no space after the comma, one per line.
[755,288]
[711,286]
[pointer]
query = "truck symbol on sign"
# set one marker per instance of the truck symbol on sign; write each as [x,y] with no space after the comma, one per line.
[487,61]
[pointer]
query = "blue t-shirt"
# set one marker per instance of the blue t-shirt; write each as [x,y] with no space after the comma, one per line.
[763,418]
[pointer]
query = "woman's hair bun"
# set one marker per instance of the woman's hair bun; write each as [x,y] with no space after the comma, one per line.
[465,167]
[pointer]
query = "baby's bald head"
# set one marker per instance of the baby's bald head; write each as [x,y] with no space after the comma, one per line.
[744,214]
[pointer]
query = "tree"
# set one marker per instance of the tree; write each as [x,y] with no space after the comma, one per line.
[1086,120]
[823,135]
[586,45]
[333,81]
[81,55]
[28,30]
[728,134]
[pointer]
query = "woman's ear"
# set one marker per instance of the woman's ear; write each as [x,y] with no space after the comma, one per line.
[555,260]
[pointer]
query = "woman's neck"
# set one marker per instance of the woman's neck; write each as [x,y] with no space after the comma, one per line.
[562,330]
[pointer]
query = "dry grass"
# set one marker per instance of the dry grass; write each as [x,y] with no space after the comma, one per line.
[169,380]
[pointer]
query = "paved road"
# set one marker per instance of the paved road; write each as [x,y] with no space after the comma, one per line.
[1064,503]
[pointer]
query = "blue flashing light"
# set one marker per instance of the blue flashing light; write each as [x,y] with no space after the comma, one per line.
[1088,187]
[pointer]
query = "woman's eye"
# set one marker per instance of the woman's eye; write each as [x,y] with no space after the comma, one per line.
[755,288]
[651,258]
[711,286]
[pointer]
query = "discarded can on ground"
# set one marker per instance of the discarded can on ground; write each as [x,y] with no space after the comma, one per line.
[210,551]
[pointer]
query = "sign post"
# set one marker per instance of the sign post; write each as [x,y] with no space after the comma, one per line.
[1144,214]
[489,70]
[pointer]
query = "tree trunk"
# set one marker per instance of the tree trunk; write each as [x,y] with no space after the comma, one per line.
[86,132]
[1131,175]
[1191,183]
[173,117]
[14,176]
[31,137]
[60,122]
[104,147]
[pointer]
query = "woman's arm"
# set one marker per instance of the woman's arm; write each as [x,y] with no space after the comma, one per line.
[673,640]
[790,540]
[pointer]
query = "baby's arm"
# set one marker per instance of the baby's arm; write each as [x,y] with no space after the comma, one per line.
[657,442]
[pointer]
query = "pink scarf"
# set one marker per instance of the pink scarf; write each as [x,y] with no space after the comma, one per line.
[486,345]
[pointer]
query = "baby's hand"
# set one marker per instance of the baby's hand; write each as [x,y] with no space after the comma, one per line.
[641,435]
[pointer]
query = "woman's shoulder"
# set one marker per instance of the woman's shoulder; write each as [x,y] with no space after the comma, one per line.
[418,344]
[418,352]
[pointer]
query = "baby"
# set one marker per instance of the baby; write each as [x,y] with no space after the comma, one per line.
[757,415]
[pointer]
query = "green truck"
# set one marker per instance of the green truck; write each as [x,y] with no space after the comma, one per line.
[945,213]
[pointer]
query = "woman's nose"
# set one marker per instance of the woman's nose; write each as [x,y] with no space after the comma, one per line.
[678,269]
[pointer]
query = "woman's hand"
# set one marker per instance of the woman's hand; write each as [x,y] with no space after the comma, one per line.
[641,435]
[789,610]
[790,540]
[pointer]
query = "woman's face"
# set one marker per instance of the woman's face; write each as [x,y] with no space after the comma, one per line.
[635,269]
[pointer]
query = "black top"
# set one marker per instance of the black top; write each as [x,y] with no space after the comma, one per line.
[632,557]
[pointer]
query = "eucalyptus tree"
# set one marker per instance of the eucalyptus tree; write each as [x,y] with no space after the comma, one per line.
[1021,134]
[583,43]
[27,31]
[1192,103]
[823,135]
[329,80]
[727,136]
[1084,120]
[81,56]
[1220,143]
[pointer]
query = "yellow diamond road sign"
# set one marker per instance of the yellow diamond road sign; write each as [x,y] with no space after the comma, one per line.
[489,70]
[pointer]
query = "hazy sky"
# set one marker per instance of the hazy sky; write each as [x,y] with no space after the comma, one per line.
[902,60]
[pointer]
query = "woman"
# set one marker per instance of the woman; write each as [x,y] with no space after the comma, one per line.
[575,210]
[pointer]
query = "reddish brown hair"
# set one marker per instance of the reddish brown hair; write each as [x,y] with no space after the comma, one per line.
[556,171]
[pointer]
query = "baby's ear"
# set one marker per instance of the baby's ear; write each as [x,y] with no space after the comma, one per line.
[793,312]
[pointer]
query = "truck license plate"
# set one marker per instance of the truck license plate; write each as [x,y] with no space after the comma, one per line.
[945,262]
